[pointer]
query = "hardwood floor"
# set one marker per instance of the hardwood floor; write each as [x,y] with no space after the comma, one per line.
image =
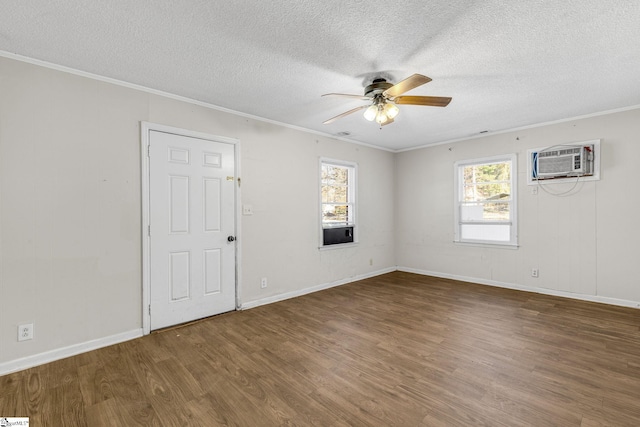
[395,350]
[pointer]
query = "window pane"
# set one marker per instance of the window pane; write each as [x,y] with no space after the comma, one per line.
[335,214]
[491,233]
[487,172]
[486,197]
[485,191]
[337,206]
[487,211]
[334,175]
[497,211]
[334,194]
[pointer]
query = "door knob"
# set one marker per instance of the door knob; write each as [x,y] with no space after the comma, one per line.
[231,239]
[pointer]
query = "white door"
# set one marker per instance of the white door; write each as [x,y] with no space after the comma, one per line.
[192,224]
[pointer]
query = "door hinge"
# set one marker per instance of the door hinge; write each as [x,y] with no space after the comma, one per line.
[149,309]
[149,230]
[149,150]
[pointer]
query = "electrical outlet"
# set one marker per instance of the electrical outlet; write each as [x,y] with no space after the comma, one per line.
[370,261]
[25,332]
[263,282]
[534,272]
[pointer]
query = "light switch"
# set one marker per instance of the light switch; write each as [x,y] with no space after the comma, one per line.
[247,210]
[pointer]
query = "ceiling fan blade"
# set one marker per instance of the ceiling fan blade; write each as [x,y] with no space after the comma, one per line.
[347,95]
[434,101]
[406,85]
[346,113]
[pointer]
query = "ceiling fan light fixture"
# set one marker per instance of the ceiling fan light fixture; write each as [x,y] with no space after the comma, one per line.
[391,110]
[381,117]
[384,96]
[371,112]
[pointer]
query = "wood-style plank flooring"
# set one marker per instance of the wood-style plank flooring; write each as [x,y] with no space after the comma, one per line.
[395,350]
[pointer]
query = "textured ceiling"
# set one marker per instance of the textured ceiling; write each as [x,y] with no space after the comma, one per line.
[506,64]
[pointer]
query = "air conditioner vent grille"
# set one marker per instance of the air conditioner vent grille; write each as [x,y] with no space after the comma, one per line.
[563,152]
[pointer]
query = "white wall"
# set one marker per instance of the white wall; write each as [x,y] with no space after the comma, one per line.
[70,211]
[70,208]
[584,245]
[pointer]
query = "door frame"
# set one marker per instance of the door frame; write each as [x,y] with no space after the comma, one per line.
[145,128]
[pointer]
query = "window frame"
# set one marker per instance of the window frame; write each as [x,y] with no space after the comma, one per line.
[352,201]
[458,170]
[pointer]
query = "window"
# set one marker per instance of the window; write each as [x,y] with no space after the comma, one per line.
[338,202]
[485,204]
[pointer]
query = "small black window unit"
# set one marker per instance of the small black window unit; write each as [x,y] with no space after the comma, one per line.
[337,235]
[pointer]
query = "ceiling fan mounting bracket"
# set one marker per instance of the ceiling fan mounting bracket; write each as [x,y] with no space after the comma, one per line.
[377,87]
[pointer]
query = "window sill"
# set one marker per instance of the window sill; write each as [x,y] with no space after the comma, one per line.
[338,246]
[488,245]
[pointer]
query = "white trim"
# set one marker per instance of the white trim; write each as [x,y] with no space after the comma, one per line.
[300,292]
[238,223]
[64,352]
[479,244]
[72,350]
[122,83]
[457,191]
[353,176]
[145,128]
[339,245]
[544,291]
[521,128]
[145,224]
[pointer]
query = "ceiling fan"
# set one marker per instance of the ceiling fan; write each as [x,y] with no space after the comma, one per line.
[384,95]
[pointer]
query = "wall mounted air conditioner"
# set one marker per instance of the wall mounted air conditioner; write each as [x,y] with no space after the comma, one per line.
[563,161]
[566,161]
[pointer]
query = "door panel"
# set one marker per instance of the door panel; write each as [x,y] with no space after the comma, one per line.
[192,199]
[212,269]
[179,201]
[212,204]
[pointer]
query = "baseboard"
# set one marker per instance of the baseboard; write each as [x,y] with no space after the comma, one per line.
[62,353]
[300,292]
[545,291]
